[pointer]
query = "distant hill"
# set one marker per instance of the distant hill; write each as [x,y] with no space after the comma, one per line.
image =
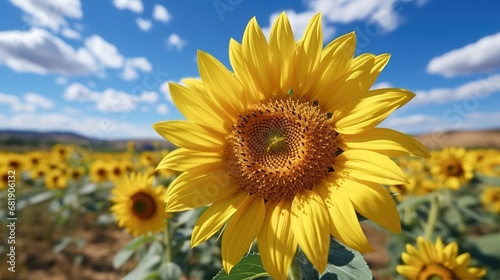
[20,140]
[468,138]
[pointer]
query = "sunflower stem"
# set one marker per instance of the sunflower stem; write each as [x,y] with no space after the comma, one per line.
[431,220]
[168,244]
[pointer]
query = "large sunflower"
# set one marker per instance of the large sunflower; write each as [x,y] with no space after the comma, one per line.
[285,148]
[438,262]
[138,206]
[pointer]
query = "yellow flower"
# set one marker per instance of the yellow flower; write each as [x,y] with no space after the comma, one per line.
[54,180]
[286,148]
[438,262]
[490,199]
[99,171]
[452,167]
[138,206]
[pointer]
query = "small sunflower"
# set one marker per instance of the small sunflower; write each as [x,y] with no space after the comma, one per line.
[138,206]
[55,180]
[437,262]
[285,148]
[452,167]
[99,171]
[490,199]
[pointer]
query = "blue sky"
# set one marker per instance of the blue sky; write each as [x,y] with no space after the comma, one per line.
[100,68]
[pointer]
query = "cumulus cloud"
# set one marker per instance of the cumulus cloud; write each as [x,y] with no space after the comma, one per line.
[478,89]
[106,53]
[49,14]
[61,80]
[38,51]
[132,5]
[162,109]
[144,24]
[477,57]
[160,13]
[174,41]
[109,100]
[30,102]
[71,33]
[92,127]
[132,65]
[382,85]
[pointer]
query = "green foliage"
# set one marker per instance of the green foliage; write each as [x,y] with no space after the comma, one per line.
[249,267]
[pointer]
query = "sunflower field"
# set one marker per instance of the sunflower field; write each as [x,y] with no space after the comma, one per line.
[279,171]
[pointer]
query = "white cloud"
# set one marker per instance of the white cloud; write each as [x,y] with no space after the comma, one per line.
[49,13]
[160,13]
[80,93]
[174,41]
[112,100]
[162,109]
[38,51]
[166,92]
[478,89]
[133,5]
[71,33]
[298,22]
[105,52]
[144,24]
[132,65]
[148,97]
[480,56]
[92,127]
[30,102]
[61,80]
[382,85]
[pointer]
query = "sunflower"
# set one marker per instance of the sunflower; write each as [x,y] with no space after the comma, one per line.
[55,180]
[438,262]
[285,148]
[490,199]
[452,167]
[138,206]
[99,171]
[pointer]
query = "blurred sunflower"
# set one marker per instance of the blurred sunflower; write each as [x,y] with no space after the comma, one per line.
[439,262]
[99,171]
[116,170]
[490,198]
[138,206]
[55,180]
[286,148]
[452,167]
[76,173]
[4,177]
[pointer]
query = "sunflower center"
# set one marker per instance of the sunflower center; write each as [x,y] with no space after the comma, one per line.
[454,169]
[280,147]
[436,272]
[143,205]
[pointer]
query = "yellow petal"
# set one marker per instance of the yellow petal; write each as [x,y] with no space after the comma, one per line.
[385,141]
[191,136]
[276,241]
[241,231]
[282,46]
[335,59]
[193,190]
[358,115]
[241,71]
[344,221]
[223,87]
[373,202]
[369,166]
[311,227]
[215,217]
[306,57]
[184,159]
[196,108]
[255,51]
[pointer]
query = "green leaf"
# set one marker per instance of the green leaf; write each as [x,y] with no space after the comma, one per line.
[126,252]
[151,259]
[169,271]
[495,181]
[343,264]
[249,267]
[487,244]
